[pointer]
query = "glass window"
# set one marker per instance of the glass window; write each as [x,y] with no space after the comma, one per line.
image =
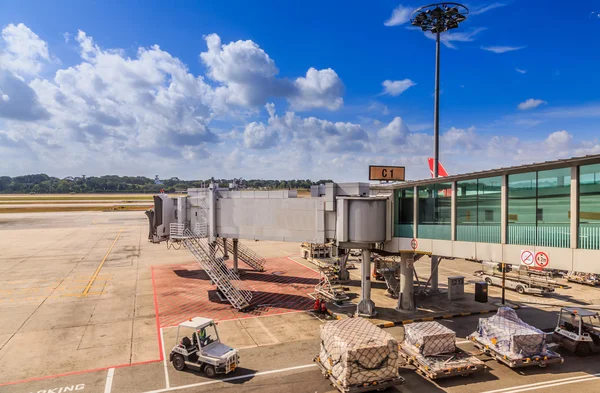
[435,211]
[522,190]
[553,208]
[589,207]
[478,210]
[404,208]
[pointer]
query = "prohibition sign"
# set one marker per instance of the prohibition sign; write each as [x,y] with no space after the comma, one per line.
[542,259]
[414,244]
[527,257]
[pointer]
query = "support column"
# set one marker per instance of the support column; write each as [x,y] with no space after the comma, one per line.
[366,307]
[406,300]
[343,258]
[225,251]
[235,255]
[574,206]
[504,210]
[435,261]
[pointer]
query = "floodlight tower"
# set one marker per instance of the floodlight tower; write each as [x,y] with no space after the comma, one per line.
[437,18]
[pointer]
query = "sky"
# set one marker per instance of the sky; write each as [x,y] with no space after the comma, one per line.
[291,90]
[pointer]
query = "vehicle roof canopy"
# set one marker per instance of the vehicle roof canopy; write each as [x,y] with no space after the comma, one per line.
[580,311]
[196,323]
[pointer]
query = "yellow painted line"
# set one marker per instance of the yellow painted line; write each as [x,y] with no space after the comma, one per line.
[447,316]
[87,288]
[427,319]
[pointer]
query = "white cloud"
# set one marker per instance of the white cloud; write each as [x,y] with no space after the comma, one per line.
[257,136]
[501,49]
[485,8]
[24,53]
[400,16]
[395,133]
[530,104]
[319,89]
[248,77]
[558,140]
[395,88]
[449,37]
[520,71]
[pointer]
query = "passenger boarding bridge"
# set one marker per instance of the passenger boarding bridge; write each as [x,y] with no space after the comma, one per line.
[545,215]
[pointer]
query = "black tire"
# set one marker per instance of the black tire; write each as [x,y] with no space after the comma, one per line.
[583,349]
[209,371]
[489,281]
[178,362]
[520,290]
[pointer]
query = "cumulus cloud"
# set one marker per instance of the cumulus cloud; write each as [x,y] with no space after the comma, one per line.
[502,49]
[530,104]
[257,136]
[18,100]
[247,77]
[396,132]
[558,140]
[319,89]
[23,52]
[400,15]
[395,88]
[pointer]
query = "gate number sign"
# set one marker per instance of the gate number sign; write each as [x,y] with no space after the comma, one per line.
[386,172]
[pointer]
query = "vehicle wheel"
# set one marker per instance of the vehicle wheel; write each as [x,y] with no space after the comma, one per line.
[178,362]
[209,371]
[583,349]
[489,281]
[520,290]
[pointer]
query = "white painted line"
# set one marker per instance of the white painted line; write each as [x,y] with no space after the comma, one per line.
[542,384]
[554,384]
[109,378]
[246,376]
[162,344]
[463,342]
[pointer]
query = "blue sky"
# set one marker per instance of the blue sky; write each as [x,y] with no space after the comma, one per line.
[290,89]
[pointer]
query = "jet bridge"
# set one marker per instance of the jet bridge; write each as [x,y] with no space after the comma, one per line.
[345,214]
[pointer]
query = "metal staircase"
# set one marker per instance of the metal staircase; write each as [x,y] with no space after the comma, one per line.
[218,272]
[247,256]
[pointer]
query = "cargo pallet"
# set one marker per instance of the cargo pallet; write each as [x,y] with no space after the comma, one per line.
[458,363]
[366,387]
[583,281]
[538,360]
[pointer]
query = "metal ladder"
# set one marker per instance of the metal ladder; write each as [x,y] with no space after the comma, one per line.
[247,256]
[392,282]
[217,270]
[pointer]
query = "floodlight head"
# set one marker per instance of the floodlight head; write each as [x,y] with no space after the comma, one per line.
[438,18]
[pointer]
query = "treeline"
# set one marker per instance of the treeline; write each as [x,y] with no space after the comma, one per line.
[44,184]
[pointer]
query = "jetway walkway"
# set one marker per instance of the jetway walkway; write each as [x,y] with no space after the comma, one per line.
[246,255]
[227,281]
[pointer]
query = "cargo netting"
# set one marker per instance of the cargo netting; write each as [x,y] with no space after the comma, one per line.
[510,336]
[355,351]
[430,338]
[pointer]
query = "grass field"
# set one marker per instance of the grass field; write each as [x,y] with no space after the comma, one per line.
[73,202]
[67,197]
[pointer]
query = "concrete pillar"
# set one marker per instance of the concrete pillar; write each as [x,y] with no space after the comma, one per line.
[453,213]
[343,257]
[504,209]
[225,250]
[366,307]
[433,283]
[235,255]
[574,206]
[406,300]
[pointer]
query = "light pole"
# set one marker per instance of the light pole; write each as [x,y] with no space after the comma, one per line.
[437,18]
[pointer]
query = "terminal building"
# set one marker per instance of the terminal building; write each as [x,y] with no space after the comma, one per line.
[551,207]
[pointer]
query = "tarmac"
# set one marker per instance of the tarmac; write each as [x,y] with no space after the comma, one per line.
[80,311]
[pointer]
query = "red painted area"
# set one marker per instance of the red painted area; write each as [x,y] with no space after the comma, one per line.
[185,291]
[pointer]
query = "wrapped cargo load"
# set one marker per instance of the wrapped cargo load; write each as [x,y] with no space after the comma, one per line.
[508,335]
[354,351]
[430,338]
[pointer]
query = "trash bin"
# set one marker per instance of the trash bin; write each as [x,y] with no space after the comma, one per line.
[481,292]
[456,287]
